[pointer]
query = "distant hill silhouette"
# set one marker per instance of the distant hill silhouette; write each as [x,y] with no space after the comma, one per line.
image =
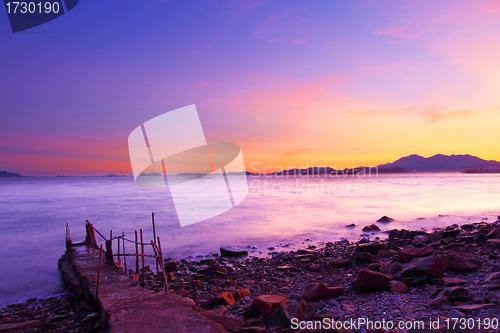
[5,174]
[441,163]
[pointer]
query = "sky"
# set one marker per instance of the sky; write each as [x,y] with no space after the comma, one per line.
[293,83]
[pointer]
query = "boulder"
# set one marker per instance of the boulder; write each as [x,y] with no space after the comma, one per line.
[385,219]
[264,305]
[492,281]
[391,269]
[282,317]
[370,228]
[493,233]
[494,243]
[372,248]
[171,266]
[370,280]
[398,287]
[452,294]
[226,298]
[228,323]
[451,233]
[421,269]
[360,259]
[233,251]
[318,290]
[461,262]
[449,282]
[243,292]
[339,262]
[411,252]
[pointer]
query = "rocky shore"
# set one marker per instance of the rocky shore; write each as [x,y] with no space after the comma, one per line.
[448,275]
[55,314]
[442,278]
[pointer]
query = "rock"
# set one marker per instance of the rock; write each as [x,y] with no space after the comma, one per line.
[347,307]
[360,259]
[372,227]
[449,282]
[451,233]
[455,314]
[197,283]
[370,280]
[391,269]
[493,233]
[233,251]
[249,330]
[492,281]
[398,287]
[318,290]
[407,254]
[282,317]
[371,248]
[352,225]
[171,267]
[461,262]
[364,241]
[339,262]
[494,243]
[452,294]
[264,305]
[421,269]
[226,298]
[312,307]
[182,292]
[227,322]
[429,291]
[385,219]
[243,292]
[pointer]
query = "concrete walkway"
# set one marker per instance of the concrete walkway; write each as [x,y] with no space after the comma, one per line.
[134,309]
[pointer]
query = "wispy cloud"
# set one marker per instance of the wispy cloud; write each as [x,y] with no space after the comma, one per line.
[397,32]
[269,22]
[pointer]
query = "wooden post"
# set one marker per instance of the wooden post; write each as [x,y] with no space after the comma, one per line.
[90,237]
[109,250]
[124,258]
[119,262]
[68,235]
[98,274]
[136,252]
[142,252]
[154,240]
[165,289]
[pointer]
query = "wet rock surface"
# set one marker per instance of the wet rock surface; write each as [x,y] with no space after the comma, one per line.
[55,314]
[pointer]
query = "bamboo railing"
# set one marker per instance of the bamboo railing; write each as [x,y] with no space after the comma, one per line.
[91,240]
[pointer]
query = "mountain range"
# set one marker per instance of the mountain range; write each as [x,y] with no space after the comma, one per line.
[441,163]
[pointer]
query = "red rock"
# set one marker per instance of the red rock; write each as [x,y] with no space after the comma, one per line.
[283,316]
[426,267]
[171,266]
[183,292]
[264,305]
[227,322]
[196,283]
[452,294]
[339,262]
[391,269]
[492,281]
[242,293]
[226,298]
[369,280]
[406,255]
[233,251]
[318,290]
[398,287]
[372,227]
[448,282]
[461,262]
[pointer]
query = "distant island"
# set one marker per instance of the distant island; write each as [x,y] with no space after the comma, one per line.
[5,174]
[411,163]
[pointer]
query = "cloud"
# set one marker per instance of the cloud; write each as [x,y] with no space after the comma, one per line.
[269,22]
[398,32]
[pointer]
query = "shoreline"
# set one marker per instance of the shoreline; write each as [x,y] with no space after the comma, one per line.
[411,275]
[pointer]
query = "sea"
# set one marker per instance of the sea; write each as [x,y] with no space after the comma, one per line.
[278,214]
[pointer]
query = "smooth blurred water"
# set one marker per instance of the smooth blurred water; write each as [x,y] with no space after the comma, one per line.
[277,211]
